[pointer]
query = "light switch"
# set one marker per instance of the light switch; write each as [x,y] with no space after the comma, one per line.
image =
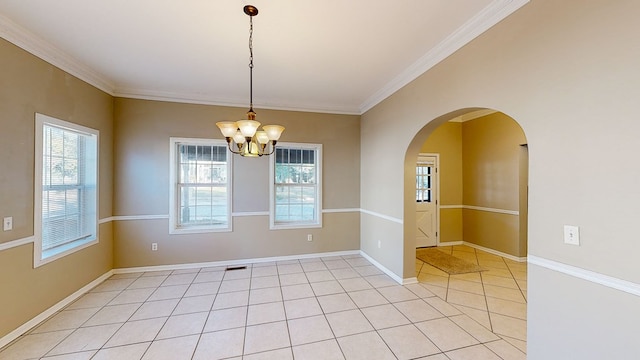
[571,235]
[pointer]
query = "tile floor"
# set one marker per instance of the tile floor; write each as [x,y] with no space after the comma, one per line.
[323,308]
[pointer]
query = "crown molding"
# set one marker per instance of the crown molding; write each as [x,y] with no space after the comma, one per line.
[33,44]
[481,22]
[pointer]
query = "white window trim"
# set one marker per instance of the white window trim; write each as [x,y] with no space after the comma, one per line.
[75,246]
[317,223]
[173,186]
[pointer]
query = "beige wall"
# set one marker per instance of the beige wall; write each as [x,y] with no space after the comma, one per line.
[570,85]
[143,129]
[29,85]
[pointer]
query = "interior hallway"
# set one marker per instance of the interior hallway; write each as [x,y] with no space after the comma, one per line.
[320,308]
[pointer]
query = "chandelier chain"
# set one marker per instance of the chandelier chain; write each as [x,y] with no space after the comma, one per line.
[251,62]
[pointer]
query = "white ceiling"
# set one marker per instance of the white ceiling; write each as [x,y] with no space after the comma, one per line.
[336,56]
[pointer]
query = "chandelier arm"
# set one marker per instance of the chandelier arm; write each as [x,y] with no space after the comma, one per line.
[273,147]
[231,149]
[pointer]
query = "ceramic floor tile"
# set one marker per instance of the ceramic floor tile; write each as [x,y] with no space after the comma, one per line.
[504,293]
[314,266]
[185,271]
[280,354]
[327,288]
[348,323]
[237,274]
[204,288]
[87,338]
[113,285]
[336,264]
[499,281]
[407,342]
[147,282]
[90,300]
[336,302]
[367,270]
[506,350]
[438,291]
[322,350]
[152,309]
[183,325]
[266,337]
[208,276]
[289,269]
[226,319]
[473,277]
[260,296]
[344,273]
[220,345]
[479,316]
[132,296]
[359,261]
[84,355]
[34,345]
[477,352]
[442,306]
[194,304]
[508,308]
[293,279]
[234,285]
[168,292]
[318,276]
[384,316]
[180,348]
[265,313]
[518,344]
[136,332]
[67,319]
[475,329]
[466,286]
[309,329]
[112,314]
[378,281]
[297,291]
[128,352]
[365,346]
[512,327]
[446,334]
[179,279]
[223,301]
[397,293]
[302,308]
[418,310]
[366,298]
[264,271]
[467,299]
[354,284]
[265,282]
[431,279]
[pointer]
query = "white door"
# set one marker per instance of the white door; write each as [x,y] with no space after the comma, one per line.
[426,201]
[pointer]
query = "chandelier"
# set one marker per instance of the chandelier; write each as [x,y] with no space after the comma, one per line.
[249,141]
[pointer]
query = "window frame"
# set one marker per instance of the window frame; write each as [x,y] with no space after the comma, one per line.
[174,201]
[317,221]
[40,256]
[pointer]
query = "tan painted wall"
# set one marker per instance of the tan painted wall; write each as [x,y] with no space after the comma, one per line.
[29,85]
[143,129]
[566,71]
[491,167]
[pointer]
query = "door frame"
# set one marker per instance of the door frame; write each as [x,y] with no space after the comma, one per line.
[436,156]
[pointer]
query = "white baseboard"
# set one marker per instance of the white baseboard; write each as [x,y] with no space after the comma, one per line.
[52,310]
[496,252]
[451,243]
[391,274]
[232,262]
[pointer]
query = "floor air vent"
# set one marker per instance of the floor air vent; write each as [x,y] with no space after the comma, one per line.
[229,268]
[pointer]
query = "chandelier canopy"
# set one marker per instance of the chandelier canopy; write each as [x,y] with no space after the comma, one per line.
[249,141]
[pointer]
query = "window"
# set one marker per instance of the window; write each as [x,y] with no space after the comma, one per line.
[201,186]
[423,181]
[66,188]
[296,186]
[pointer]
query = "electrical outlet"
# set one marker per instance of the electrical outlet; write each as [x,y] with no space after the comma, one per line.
[572,235]
[154,246]
[7,223]
[379,244]
[309,237]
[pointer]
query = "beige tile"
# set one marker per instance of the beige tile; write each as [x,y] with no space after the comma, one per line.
[419,290]
[180,348]
[299,291]
[204,288]
[442,306]
[348,323]
[152,309]
[474,277]
[302,307]
[113,285]
[179,279]
[518,344]
[508,308]
[345,273]
[293,279]
[336,264]
[378,281]
[309,329]
[185,271]
[67,319]
[467,299]
[366,298]
[438,291]
[499,281]
[89,300]
[157,273]
[508,326]
[168,292]
[519,275]
[128,352]
[327,288]
[397,293]
[136,332]
[34,345]
[261,296]
[475,329]
[504,293]
[367,270]
[322,350]
[112,314]
[435,357]
[354,284]
[264,271]
[183,325]
[147,282]
[237,274]
[384,316]
[208,276]
[226,319]
[431,270]
[264,313]
[493,264]
[85,355]
[431,279]
[220,344]
[318,276]
[195,304]
[289,269]
[477,352]
[264,337]
[314,266]
[466,286]
[506,350]
[498,272]
[234,285]
[446,334]
[365,346]
[336,302]
[228,300]
[126,276]
[280,354]
[407,342]
[132,296]
[479,316]
[417,310]
[87,338]
[265,282]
